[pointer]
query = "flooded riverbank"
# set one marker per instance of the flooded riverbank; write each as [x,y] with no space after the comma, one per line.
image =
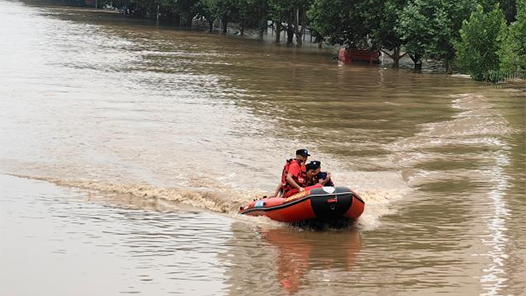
[196,124]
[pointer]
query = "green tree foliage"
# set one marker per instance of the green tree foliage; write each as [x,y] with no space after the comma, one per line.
[340,20]
[178,12]
[224,10]
[294,14]
[187,9]
[424,28]
[507,6]
[512,53]
[383,22]
[458,11]
[247,13]
[481,38]
[210,10]
[429,28]
[252,14]
[510,9]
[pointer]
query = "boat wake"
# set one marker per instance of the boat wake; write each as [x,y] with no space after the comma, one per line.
[223,201]
[211,201]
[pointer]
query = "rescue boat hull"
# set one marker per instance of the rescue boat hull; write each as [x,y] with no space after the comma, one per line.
[315,203]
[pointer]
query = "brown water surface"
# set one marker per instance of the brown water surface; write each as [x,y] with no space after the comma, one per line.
[182,127]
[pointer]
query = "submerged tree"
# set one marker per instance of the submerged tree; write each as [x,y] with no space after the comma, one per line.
[339,20]
[252,14]
[512,53]
[424,28]
[294,14]
[481,38]
[384,22]
[430,28]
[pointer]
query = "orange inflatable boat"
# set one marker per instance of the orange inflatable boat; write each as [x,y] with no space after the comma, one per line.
[315,203]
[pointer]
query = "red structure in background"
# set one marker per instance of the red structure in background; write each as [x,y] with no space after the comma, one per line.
[348,55]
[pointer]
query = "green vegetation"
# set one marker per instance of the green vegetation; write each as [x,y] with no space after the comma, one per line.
[481,38]
[512,52]
[485,38]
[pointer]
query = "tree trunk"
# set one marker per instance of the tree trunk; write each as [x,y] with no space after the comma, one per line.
[176,19]
[297,31]
[188,21]
[263,21]
[242,28]
[210,25]
[416,60]
[262,26]
[396,57]
[317,38]
[224,23]
[448,62]
[290,31]
[277,26]
[449,67]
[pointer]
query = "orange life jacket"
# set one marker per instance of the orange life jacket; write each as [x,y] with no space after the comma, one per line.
[285,185]
[285,171]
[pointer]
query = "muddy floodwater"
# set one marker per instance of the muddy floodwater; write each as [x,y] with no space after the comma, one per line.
[126,149]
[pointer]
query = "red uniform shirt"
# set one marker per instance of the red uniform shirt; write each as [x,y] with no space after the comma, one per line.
[299,175]
[297,172]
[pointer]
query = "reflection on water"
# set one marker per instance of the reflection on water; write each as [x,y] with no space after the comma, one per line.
[177,118]
[293,261]
[300,252]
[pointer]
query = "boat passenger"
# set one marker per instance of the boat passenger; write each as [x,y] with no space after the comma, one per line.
[312,173]
[319,177]
[293,177]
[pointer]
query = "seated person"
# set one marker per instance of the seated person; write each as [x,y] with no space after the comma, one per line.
[324,178]
[317,176]
[293,177]
[312,174]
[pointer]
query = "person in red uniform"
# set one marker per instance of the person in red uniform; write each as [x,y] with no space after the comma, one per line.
[293,178]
